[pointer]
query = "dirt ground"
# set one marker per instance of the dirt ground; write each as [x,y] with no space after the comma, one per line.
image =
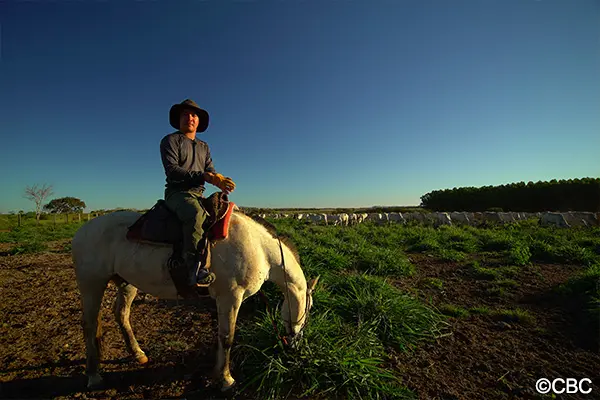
[494,357]
[483,357]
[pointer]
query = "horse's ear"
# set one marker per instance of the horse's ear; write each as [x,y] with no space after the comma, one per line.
[313,283]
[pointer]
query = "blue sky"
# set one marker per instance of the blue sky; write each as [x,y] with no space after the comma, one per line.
[312,103]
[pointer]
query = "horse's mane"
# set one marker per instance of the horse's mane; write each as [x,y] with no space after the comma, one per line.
[287,241]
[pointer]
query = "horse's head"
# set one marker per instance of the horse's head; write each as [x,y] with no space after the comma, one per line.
[295,309]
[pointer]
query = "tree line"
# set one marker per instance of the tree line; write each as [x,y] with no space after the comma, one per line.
[555,195]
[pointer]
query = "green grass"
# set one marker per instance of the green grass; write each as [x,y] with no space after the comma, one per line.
[481,310]
[355,318]
[453,310]
[29,248]
[513,315]
[41,233]
[484,273]
[8,221]
[586,287]
[398,319]
[434,283]
[334,359]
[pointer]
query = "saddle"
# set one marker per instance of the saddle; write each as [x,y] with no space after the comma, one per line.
[160,226]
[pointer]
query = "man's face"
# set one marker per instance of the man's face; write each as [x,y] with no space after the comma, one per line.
[188,120]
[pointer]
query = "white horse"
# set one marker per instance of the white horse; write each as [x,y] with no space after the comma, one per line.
[242,262]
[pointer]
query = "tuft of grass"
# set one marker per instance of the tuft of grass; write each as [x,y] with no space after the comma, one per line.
[458,239]
[325,258]
[434,283]
[514,315]
[453,311]
[507,283]
[508,271]
[381,261]
[586,286]
[562,252]
[450,255]
[518,254]
[176,345]
[398,319]
[66,248]
[482,310]
[494,240]
[332,359]
[420,239]
[484,273]
[29,248]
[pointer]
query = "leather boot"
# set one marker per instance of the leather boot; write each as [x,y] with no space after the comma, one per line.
[198,275]
[203,277]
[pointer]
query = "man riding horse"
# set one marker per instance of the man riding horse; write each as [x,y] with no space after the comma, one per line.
[188,165]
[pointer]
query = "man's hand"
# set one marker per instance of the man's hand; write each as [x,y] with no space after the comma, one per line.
[224,183]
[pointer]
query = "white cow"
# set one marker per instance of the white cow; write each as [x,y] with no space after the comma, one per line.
[373,217]
[506,217]
[459,217]
[575,218]
[554,219]
[358,218]
[396,218]
[414,216]
[378,218]
[489,216]
[344,219]
[317,218]
[442,218]
[338,219]
[333,219]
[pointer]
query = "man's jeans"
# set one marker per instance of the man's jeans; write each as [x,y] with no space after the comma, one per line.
[192,215]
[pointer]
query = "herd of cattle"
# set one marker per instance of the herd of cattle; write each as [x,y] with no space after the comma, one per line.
[564,220]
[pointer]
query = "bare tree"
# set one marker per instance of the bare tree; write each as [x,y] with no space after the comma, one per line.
[38,195]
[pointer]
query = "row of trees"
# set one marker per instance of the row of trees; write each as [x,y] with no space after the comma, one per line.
[562,195]
[39,195]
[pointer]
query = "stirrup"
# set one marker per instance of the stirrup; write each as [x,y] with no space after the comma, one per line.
[205,277]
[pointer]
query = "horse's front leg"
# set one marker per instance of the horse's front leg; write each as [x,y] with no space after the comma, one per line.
[228,306]
[122,309]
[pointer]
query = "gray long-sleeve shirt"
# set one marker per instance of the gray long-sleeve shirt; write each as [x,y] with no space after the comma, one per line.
[184,160]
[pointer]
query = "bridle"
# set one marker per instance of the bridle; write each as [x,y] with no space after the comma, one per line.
[293,338]
[308,293]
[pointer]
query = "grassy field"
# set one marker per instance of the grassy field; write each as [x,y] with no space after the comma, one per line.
[361,316]
[378,302]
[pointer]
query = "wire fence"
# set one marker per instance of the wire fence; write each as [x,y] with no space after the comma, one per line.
[12,221]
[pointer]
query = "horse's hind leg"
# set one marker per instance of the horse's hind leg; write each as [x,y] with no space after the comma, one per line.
[122,309]
[227,309]
[91,297]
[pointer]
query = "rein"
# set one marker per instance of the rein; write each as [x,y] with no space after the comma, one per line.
[305,316]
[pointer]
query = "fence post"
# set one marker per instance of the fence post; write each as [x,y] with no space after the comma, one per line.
[54,215]
[19,219]
[88,217]
[79,217]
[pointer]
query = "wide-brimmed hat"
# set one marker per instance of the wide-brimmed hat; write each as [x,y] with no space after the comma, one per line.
[187,103]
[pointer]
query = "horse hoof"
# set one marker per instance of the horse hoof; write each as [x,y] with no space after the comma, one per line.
[141,359]
[228,386]
[95,382]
